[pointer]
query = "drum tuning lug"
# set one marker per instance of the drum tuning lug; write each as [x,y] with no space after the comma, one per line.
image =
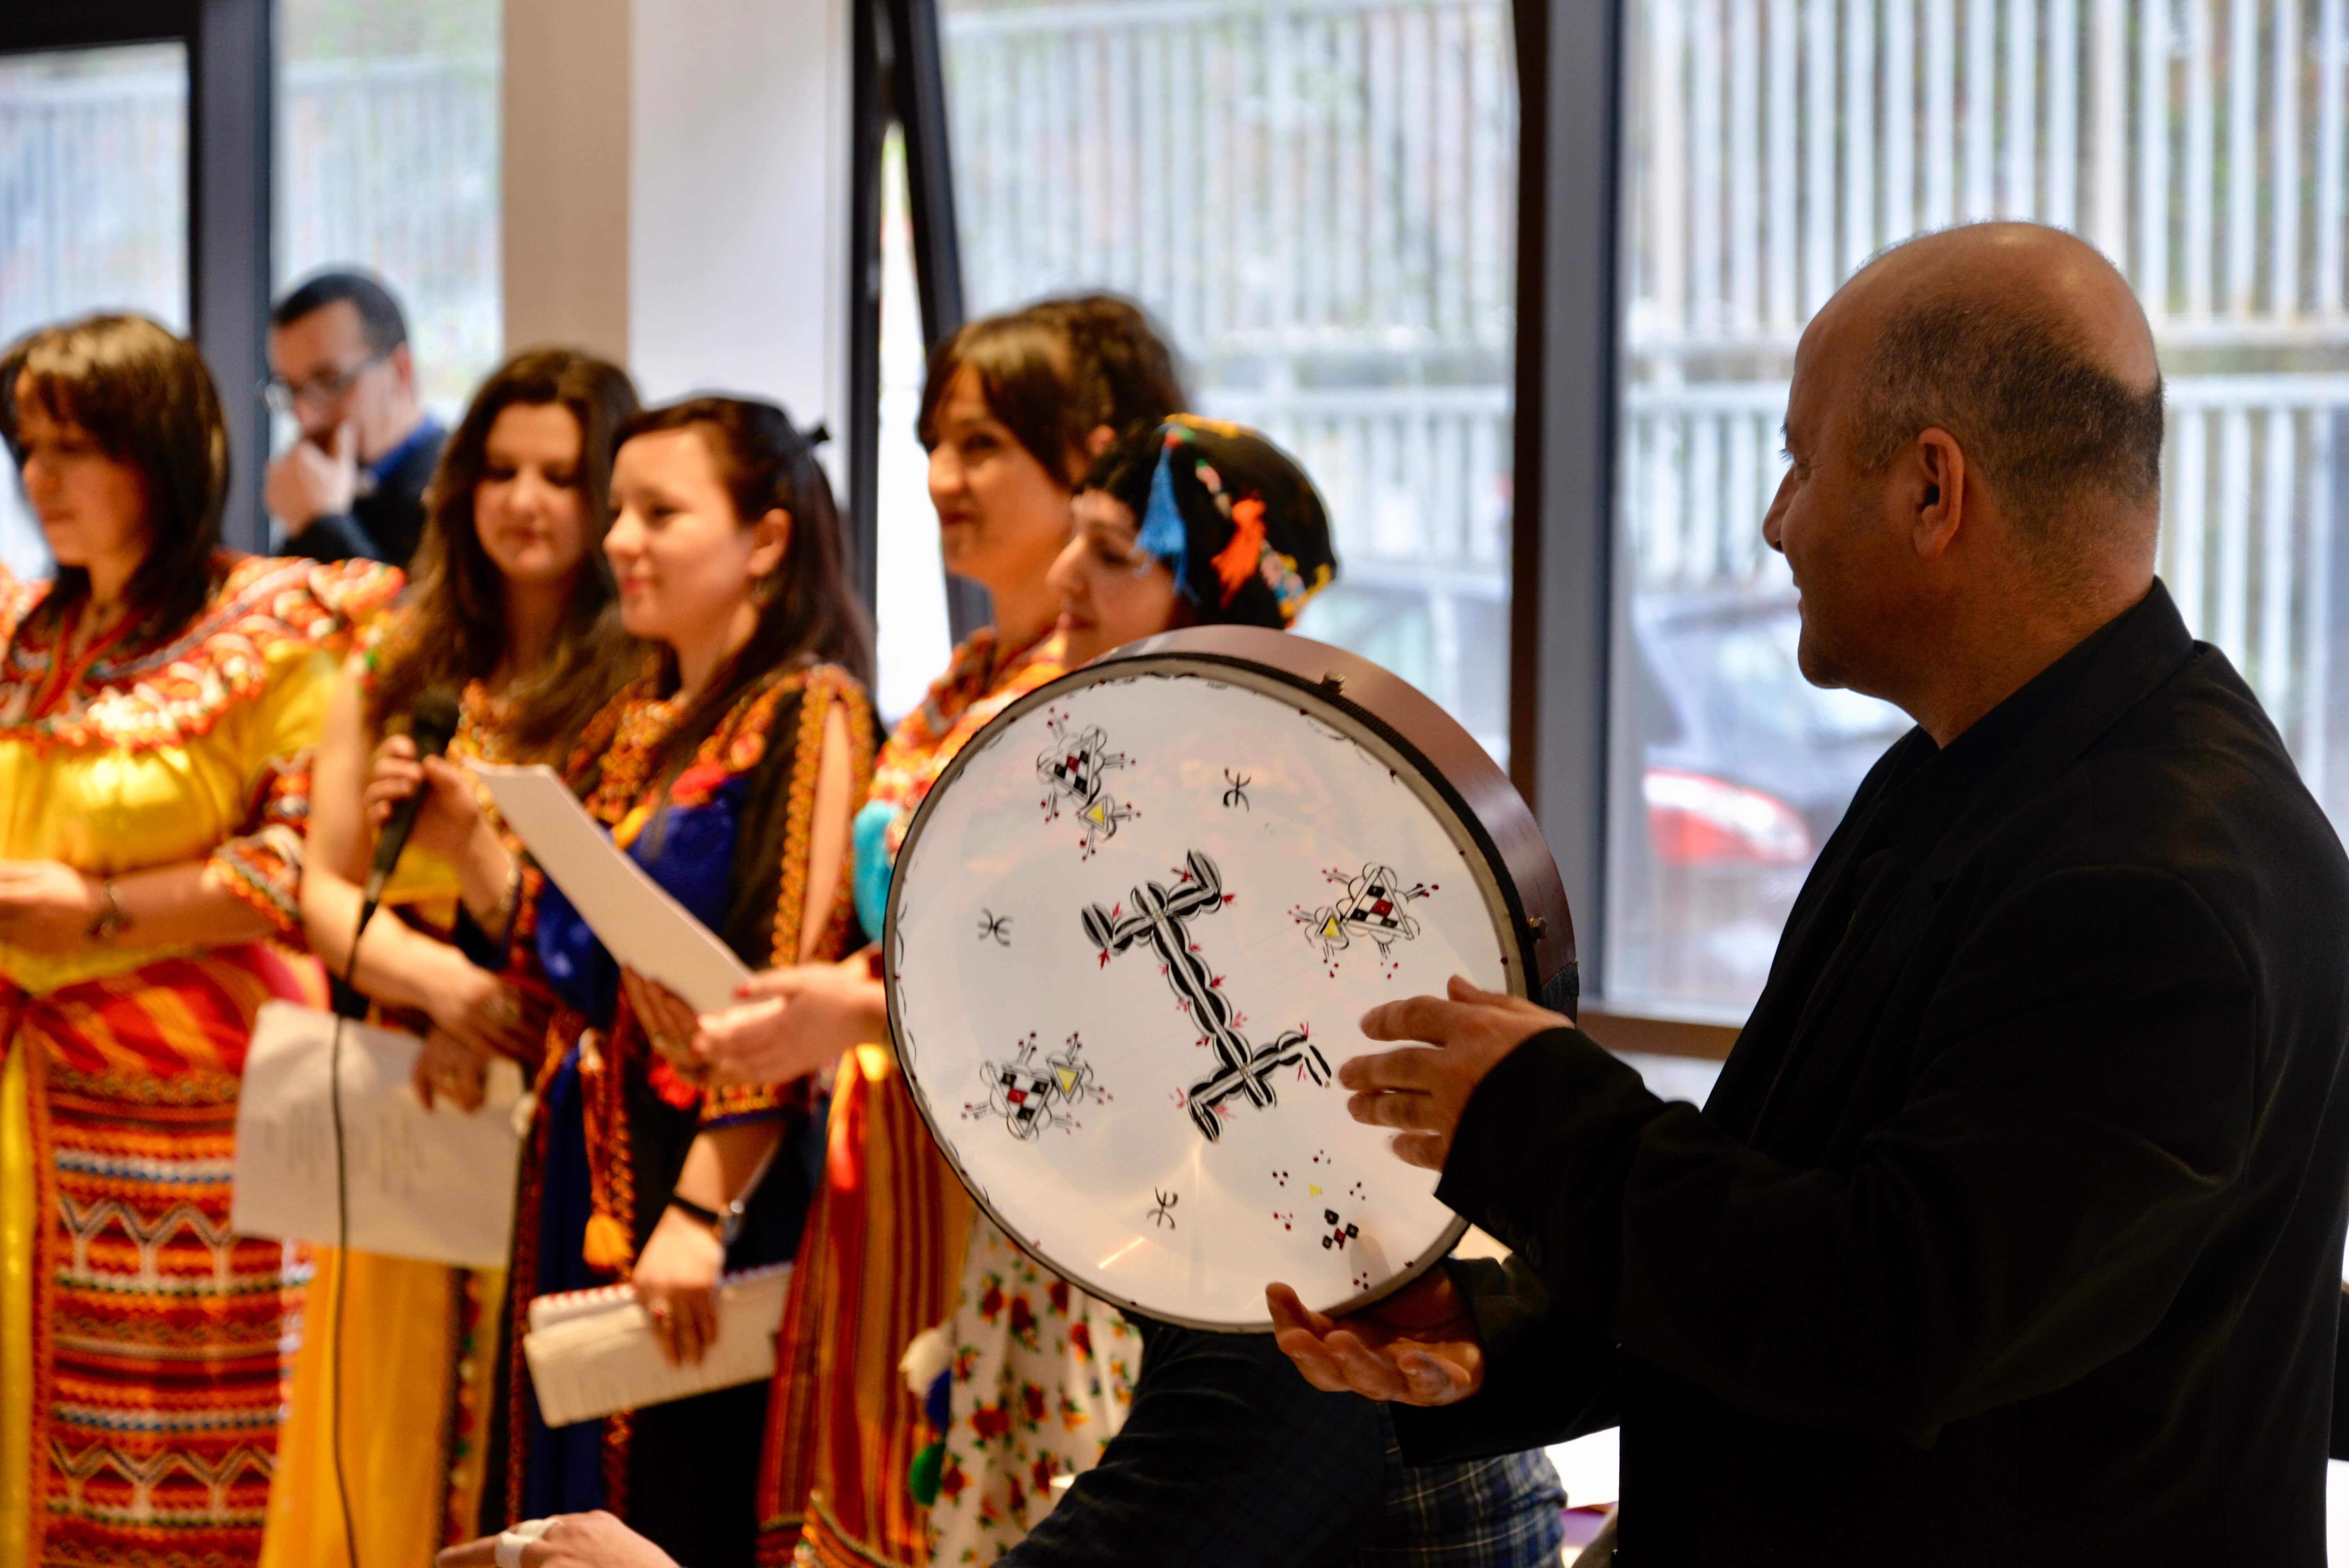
[1538,926]
[1333,683]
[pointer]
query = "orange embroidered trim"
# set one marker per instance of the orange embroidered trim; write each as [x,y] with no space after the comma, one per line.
[165,693]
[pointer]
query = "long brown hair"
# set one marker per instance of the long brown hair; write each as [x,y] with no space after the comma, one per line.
[455,629]
[807,612]
[1056,371]
[144,396]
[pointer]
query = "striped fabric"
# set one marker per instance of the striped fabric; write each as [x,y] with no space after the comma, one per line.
[160,1344]
[841,1427]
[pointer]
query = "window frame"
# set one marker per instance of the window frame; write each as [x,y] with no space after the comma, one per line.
[232,94]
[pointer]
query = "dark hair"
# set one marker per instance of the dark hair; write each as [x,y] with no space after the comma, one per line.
[1124,469]
[145,397]
[454,630]
[1056,371]
[807,612]
[2049,427]
[380,321]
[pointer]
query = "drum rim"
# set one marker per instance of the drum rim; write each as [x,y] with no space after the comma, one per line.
[1185,650]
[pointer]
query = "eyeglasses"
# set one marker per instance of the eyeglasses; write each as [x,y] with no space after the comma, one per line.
[321,391]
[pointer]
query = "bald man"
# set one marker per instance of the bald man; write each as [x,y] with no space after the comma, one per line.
[2011,1232]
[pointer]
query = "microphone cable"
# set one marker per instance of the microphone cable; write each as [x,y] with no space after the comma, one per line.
[433,725]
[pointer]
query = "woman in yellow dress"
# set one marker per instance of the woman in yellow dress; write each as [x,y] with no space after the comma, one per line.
[159,701]
[513,608]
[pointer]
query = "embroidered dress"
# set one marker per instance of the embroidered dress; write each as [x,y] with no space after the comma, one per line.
[420,1339]
[145,1347]
[886,1240]
[729,842]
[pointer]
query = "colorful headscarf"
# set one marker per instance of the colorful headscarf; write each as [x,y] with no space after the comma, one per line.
[1237,522]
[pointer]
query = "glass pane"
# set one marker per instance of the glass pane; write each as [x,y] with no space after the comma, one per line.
[387,158]
[1769,150]
[93,205]
[1318,201]
[914,635]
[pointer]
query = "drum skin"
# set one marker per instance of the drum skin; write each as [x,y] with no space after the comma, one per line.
[1132,913]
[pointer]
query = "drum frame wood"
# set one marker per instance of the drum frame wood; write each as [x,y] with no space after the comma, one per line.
[1446,763]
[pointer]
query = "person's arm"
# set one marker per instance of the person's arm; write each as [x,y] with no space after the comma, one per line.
[334,536]
[398,965]
[1228,1457]
[2088,1086]
[1545,1381]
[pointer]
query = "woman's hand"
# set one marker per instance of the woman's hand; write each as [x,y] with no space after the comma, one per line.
[797,1021]
[482,1011]
[667,1022]
[451,813]
[45,906]
[447,1066]
[572,1540]
[676,1279]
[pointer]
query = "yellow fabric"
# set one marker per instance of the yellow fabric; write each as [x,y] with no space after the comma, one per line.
[109,810]
[399,1319]
[17,1203]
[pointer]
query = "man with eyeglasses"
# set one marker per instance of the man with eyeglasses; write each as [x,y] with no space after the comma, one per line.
[352,484]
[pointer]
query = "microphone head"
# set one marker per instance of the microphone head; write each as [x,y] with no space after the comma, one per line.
[434,723]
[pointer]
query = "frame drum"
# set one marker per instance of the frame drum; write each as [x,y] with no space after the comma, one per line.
[1132,932]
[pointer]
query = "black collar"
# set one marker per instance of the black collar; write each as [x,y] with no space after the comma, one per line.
[1945,798]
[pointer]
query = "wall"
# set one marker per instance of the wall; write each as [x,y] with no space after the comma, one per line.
[676,191]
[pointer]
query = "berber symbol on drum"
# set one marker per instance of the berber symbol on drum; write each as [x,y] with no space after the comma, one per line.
[1371,907]
[1030,1099]
[1163,918]
[1072,770]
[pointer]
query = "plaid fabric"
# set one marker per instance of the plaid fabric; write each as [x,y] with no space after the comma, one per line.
[1230,1457]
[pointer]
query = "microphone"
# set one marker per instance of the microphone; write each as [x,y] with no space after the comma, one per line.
[432,726]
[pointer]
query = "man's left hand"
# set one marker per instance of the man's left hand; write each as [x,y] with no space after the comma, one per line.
[1423,1092]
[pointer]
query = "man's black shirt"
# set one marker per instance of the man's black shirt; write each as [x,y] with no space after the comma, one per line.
[2013,1230]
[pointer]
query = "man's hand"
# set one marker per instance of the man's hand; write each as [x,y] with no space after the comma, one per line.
[45,906]
[308,482]
[572,1540]
[1423,1092]
[1419,1347]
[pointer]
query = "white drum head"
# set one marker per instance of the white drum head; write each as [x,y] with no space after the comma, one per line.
[1131,934]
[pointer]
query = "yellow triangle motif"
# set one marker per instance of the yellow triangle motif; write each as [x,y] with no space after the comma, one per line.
[1067,1080]
[1310,1187]
[1096,813]
[1330,926]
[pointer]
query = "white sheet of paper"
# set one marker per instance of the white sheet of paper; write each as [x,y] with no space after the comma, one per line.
[435,1184]
[592,1352]
[633,915]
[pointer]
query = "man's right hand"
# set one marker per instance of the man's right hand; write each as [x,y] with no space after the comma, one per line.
[307,482]
[1419,1347]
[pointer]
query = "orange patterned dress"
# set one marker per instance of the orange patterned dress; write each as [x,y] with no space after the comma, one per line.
[146,1349]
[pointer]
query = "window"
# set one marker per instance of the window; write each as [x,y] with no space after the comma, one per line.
[387,156]
[1318,203]
[93,205]
[1770,146]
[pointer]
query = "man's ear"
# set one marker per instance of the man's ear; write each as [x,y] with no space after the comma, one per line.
[1936,483]
[403,368]
[772,540]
